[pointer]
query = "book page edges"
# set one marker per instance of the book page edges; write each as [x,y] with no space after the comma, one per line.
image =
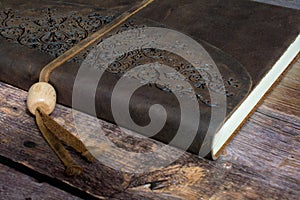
[245,109]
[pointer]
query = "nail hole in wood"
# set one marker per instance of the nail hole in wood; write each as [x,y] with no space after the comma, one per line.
[29,144]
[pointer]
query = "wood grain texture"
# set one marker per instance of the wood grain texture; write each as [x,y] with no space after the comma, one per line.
[16,185]
[262,161]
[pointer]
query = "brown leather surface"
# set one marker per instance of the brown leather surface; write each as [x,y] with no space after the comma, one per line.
[255,35]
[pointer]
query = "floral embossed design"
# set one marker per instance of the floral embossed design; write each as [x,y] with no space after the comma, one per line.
[201,78]
[48,30]
[150,76]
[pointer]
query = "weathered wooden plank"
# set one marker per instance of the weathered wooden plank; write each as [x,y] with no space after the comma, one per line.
[18,130]
[261,162]
[16,185]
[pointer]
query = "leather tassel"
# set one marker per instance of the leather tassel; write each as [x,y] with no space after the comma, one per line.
[53,133]
[65,136]
[41,102]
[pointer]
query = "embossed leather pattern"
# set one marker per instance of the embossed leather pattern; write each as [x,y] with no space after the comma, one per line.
[49,30]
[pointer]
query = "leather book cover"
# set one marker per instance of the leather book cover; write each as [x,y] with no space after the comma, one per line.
[244,39]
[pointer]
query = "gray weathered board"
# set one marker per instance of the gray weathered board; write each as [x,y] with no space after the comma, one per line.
[16,185]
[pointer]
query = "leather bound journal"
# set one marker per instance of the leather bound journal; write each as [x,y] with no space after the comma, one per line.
[250,43]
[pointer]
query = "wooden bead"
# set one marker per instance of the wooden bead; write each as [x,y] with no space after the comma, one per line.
[41,95]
